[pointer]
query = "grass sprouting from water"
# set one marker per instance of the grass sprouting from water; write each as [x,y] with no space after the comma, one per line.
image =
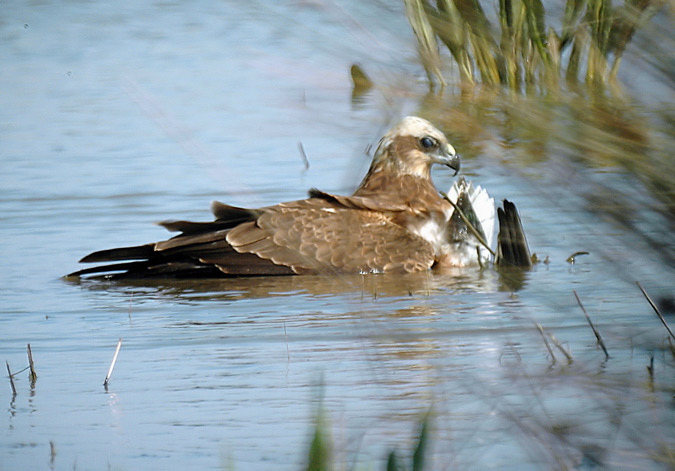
[320,457]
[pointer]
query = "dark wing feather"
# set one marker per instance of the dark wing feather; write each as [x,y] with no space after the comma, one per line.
[235,214]
[227,217]
[139,252]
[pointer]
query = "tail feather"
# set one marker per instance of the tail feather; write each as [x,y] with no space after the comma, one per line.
[138,252]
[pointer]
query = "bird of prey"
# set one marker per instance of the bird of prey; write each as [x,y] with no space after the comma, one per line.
[396,221]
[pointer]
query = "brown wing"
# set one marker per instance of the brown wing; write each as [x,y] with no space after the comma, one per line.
[193,253]
[311,236]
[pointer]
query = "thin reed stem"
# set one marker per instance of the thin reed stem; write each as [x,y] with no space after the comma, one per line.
[595,331]
[112,364]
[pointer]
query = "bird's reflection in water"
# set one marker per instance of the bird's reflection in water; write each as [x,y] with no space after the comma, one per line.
[398,334]
[368,286]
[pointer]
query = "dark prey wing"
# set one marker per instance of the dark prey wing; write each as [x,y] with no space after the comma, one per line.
[313,236]
[512,248]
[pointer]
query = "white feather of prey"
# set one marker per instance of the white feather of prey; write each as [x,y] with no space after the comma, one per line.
[470,249]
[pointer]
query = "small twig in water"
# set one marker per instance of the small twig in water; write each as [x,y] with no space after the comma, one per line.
[33,374]
[11,380]
[304,155]
[656,309]
[52,453]
[543,336]
[561,348]
[112,364]
[572,258]
[595,331]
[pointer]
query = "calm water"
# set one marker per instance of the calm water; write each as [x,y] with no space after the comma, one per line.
[117,115]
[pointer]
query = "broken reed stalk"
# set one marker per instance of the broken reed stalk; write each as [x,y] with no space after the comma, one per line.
[543,336]
[112,364]
[561,348]
[11,380]
[573,258]
[305,160]
[595,331]
[52,453]
[656,310]
[33,374]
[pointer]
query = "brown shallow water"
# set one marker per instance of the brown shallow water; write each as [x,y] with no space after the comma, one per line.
[115,116]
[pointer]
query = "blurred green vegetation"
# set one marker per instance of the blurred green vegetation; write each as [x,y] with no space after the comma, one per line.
[513,84]
[524,51]
[320,457]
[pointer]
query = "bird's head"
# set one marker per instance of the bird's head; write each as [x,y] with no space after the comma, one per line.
[412,147]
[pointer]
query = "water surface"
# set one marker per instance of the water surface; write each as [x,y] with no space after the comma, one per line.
[117,115]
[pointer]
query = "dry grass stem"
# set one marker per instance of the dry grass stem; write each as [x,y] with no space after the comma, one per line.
[52,454]
[112,364]
[543,336]
[305,160]
[11,379]
[561,348]
[595,331]
[573,258]
[31,364]
[656,310]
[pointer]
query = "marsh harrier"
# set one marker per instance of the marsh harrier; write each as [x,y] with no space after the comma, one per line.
[396,221]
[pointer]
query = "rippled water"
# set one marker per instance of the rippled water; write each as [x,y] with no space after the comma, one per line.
[117,115]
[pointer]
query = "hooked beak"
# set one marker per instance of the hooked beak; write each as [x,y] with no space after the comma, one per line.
[448,156]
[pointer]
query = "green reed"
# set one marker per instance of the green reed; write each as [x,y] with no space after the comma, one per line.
[320,457]
[522,51]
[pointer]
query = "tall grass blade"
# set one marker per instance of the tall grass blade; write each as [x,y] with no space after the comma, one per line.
[451,30]
[392,462]
[426,40]
[525,49]
[319,450]
[420,449]
[573,10]
[537,27]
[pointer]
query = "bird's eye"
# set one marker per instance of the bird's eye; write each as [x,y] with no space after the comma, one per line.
[427,142]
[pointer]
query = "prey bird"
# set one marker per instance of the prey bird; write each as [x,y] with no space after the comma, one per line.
[396,221]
